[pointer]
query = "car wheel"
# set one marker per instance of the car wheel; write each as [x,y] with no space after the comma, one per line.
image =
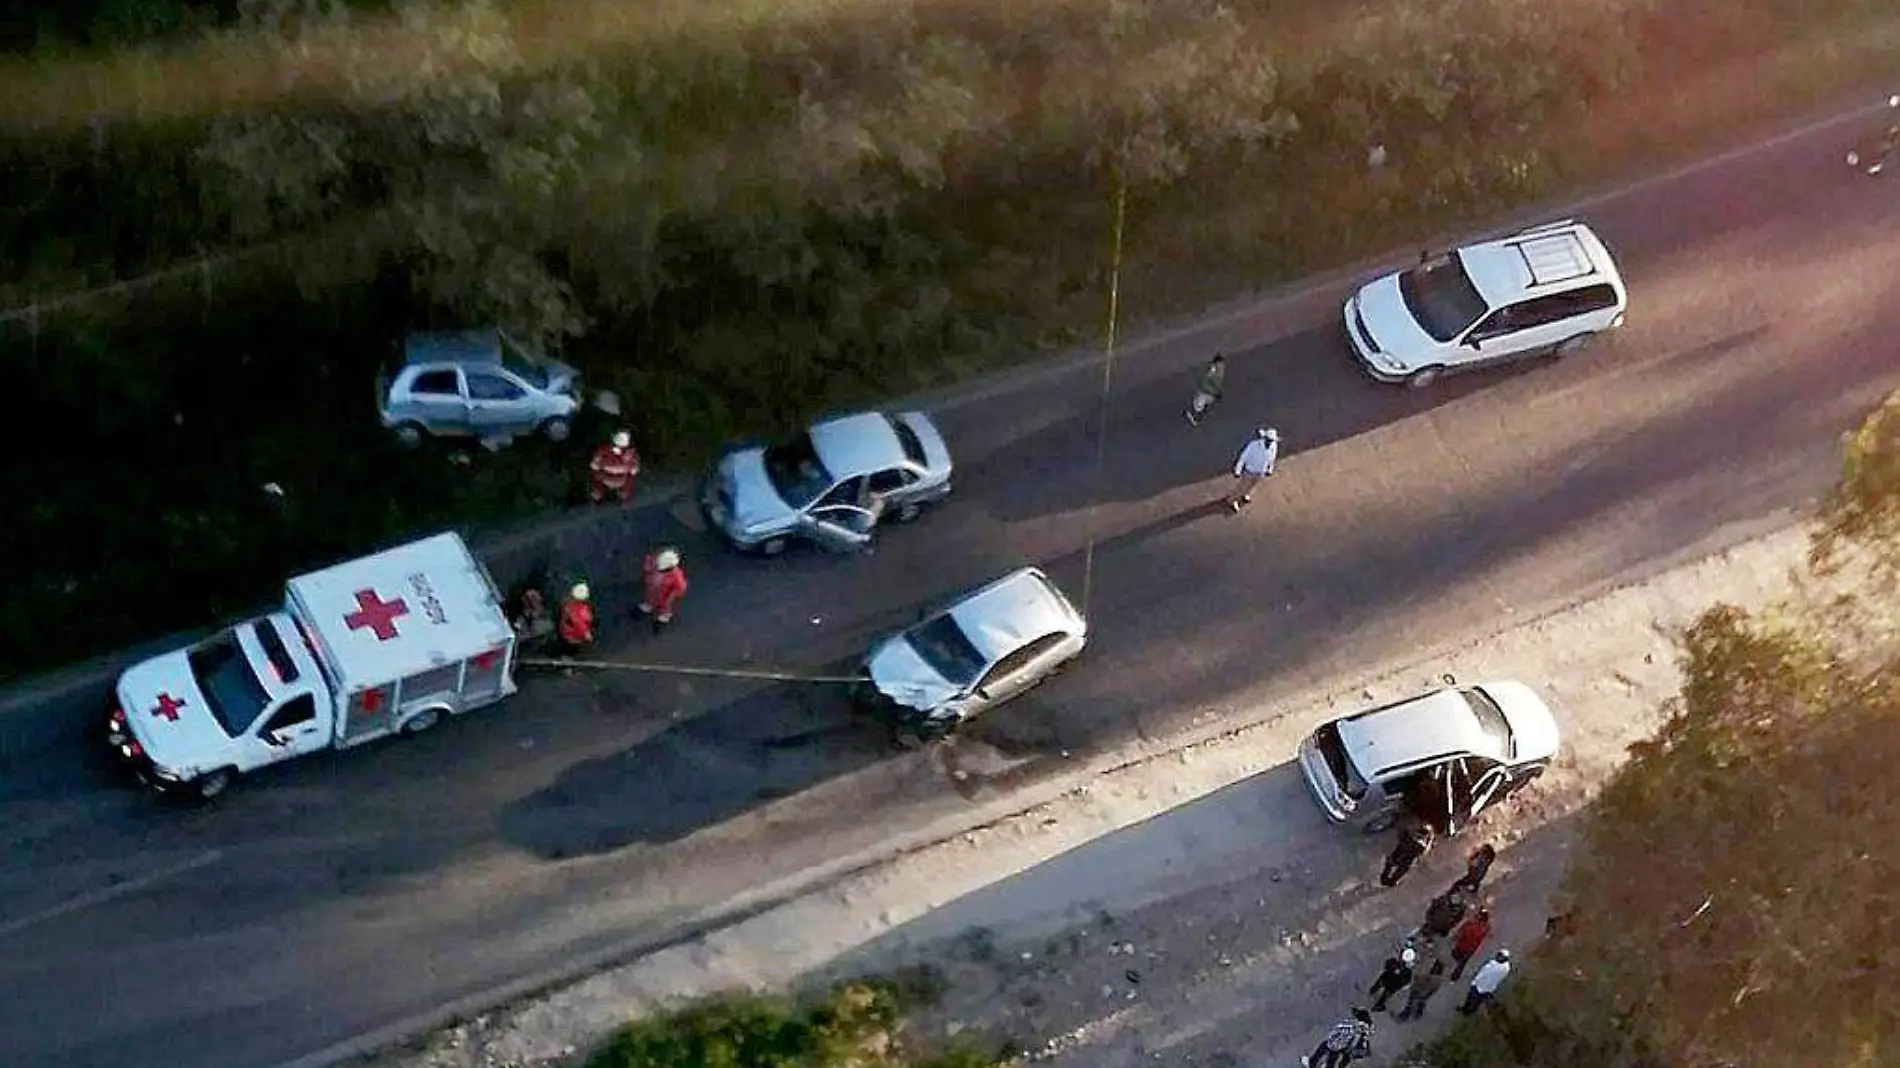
[557,430]
[1423,378]
[210,786]
[1572,346]
[772,547]
[410,435]
[906,512]
[1381,823]
[421,721]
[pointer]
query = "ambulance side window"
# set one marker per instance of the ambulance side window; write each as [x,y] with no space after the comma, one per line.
[299,709]
[436,384]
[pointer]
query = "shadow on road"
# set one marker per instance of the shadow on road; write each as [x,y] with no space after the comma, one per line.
[1306,385]
[777,741]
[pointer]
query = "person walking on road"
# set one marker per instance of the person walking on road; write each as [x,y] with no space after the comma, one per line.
[1484,985]
[1415,837]
[663,586]
[1254,464]
[1477,866]
[612,470]
[575,628]
[1207,389]
[1349,1040]
[1444,913]
[1464,944]
[1394,977]
[1421,991]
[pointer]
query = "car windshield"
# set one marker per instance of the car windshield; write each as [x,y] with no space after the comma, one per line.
[1334,752]
[1491,720]
[522,365]
[943,645]
[796,472]
[229,685]
[1442,297]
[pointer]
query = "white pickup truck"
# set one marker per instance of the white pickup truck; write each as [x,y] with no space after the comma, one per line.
[383,645]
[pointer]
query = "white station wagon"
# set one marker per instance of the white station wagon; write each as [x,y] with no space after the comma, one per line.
[1546,291]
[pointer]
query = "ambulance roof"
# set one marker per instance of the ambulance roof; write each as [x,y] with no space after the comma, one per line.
[401,611]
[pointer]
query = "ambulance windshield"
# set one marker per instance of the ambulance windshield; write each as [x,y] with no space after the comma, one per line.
[229,685]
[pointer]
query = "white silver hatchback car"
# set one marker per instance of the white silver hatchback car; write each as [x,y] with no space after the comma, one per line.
[986,647]
[1448,755]
[1548,290]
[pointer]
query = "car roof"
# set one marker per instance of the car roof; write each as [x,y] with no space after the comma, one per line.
[1428,727]
[857,444]
[482,346]
[1554,258]
[1013,611]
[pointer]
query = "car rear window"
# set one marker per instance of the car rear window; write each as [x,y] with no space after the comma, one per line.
[1333,751]
[275,651]
[1491,720]
[913,446]
[1442,297]
[949,652]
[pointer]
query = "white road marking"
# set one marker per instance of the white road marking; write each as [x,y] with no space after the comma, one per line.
[108,893]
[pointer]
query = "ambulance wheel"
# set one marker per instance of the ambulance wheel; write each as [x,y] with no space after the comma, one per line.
[211,785]
[906,512]
[1422,379]
[410,435]
[557,430]
[772,547]
[421,721]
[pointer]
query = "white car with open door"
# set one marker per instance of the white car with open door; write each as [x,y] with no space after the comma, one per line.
[1549,291]
[1448,755]
[831,485]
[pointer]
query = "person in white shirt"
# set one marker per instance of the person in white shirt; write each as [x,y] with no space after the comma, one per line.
[1255,462]
[1484,985]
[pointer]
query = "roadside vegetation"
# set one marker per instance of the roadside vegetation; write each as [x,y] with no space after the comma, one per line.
[1734,904]
[855,1025]
[731,213]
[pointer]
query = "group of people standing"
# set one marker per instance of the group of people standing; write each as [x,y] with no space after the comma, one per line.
[611,474]
[1456,926]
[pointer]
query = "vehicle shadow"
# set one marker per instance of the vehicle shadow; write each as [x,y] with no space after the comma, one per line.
[1306,385]
[1242,922]
[776,741]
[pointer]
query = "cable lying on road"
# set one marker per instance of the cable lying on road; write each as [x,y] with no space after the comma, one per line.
[684,669]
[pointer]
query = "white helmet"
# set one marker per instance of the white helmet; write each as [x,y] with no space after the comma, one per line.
[623,440]
[666,560]
[579,592]
[1269,433]
[1894,101]
[1408,956]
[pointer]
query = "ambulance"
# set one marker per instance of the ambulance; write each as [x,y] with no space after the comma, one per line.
[388,644]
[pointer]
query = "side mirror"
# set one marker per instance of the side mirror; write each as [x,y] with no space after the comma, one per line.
[272,738]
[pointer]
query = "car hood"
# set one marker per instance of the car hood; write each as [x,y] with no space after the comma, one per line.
[192,741]
[754,501]
[1394,331]
[903,676]
[1533,727]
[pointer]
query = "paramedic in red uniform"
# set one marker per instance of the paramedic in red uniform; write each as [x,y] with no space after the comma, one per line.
[665,586]
[576,627]
[613,468]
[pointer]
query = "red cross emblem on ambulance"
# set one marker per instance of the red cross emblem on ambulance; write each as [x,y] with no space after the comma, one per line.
[376,615]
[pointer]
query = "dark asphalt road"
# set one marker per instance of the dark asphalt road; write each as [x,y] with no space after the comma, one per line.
[351,894]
